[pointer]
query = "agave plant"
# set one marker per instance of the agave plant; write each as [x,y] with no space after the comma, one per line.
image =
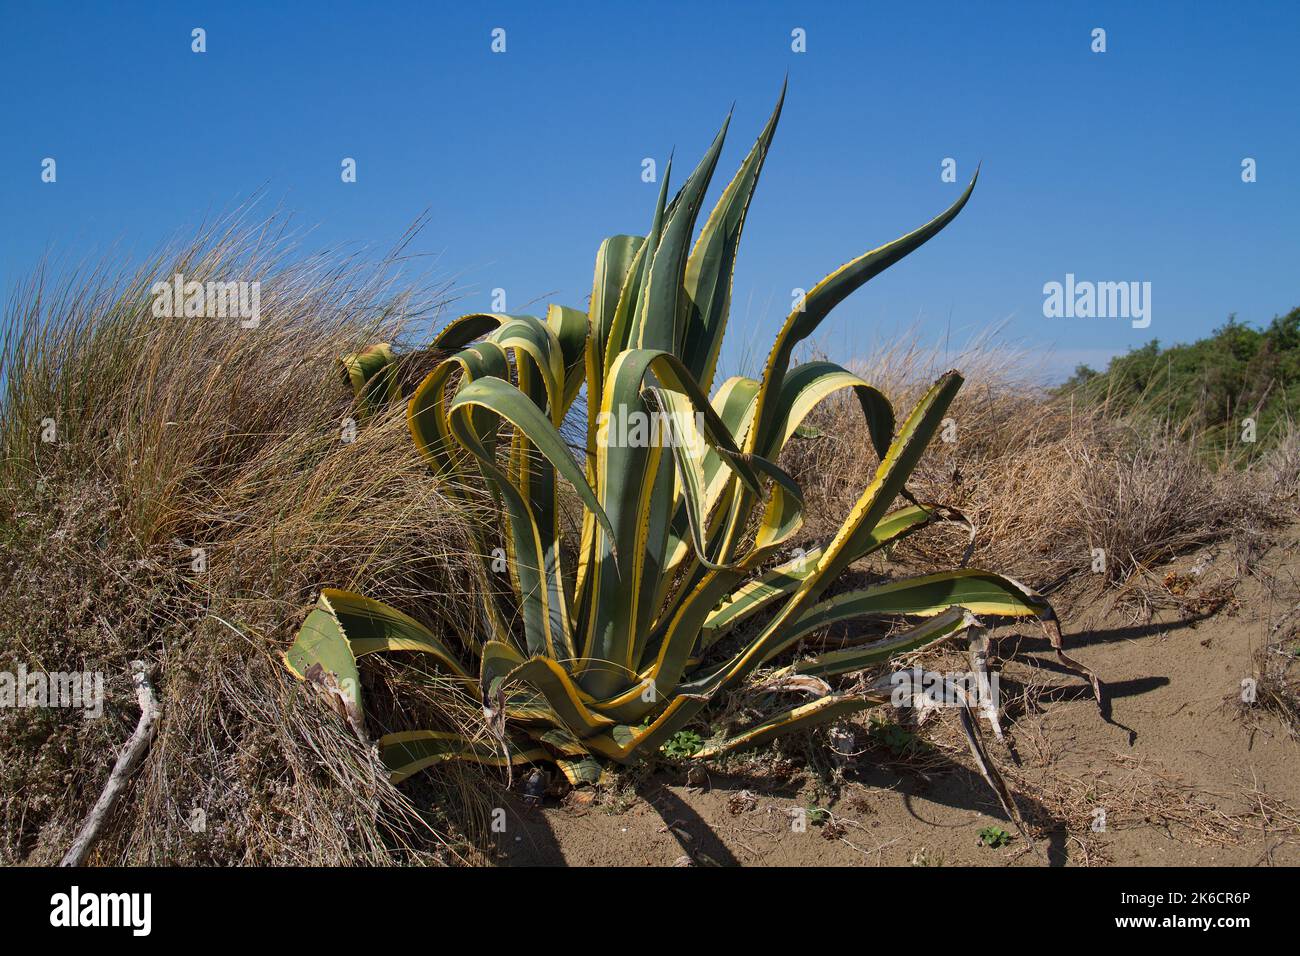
[674,592]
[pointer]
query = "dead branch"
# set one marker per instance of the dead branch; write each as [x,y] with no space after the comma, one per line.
[127,762]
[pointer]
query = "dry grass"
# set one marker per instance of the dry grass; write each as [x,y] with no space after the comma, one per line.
[1044,482]
[184,439]
[1277,681]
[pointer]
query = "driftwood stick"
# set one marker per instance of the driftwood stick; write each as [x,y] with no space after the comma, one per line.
[977,648]
[127,762]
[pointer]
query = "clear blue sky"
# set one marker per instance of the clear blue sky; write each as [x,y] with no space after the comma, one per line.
[1117,166]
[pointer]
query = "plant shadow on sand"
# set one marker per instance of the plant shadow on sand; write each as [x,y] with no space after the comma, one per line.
[531,837]
[1018,646]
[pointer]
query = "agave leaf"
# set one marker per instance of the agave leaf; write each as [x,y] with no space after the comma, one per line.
[426,412]
[360,367]
[523,704]
[625,743]
[849,541]
[570,755]
[427,421]
[629,300]
[506,401]
[536,558]
[320,655]
[614,263]
[580,770]
[570,328]
[617,264]
[709,270]
[543,382]
[370,373]
[807,385]
[827,294]
[625,328]
[782,581]
[687,442]
[852,659]
[781,519]
[631,303]
[980,592]
[681,634]
[370,627]
[411,751]
[896,466]
[529,337]
[630,480]
[561,693]
[559,740]
[661,324]
[802,717]
[734,404]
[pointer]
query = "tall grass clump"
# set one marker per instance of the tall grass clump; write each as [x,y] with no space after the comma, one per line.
[172,490]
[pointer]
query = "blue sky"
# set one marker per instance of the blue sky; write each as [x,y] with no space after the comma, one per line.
[1115,166]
